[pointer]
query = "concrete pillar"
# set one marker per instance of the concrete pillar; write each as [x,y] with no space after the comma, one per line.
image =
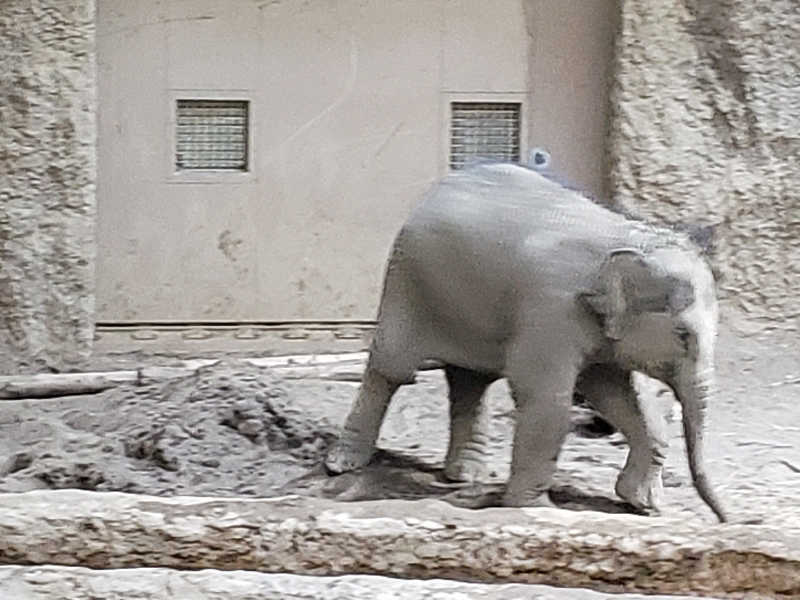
[47,183]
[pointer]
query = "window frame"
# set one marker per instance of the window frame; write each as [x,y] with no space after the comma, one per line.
[448,98]
[195,156]
[209,176]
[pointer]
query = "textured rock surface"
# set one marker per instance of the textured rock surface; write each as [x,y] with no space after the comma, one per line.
[312,536]
[75,583]
[47,176]
[706,129]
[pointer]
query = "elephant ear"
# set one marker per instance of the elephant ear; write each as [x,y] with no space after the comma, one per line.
[628,285]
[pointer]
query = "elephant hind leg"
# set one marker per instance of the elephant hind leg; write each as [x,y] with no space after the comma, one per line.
[401,340]
[356,443]
[610,390]
[469,425]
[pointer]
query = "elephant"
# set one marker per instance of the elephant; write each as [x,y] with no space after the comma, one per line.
[500,272]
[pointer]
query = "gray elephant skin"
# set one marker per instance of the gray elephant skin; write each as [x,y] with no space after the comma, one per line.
[503,273]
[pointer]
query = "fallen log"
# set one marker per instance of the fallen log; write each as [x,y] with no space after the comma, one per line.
[421,539]
[346,371]
[52,385]
[296,360]
[75,583]
[330,367]
[346,368]
[56,385]
[49,385]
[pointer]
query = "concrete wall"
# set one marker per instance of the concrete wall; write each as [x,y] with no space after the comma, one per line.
[570,67]
[706,128]
[349,101]
[346,106]
[47,175]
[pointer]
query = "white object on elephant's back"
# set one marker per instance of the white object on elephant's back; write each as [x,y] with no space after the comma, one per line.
[539,160]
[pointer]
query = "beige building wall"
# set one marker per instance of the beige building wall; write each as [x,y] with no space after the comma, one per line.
[47,176]
[570,68]
[706,129]
[350,114]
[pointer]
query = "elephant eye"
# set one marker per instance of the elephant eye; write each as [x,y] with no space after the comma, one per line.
[653,303]
[685,336]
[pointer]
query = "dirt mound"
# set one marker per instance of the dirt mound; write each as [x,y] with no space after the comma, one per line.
[228,429]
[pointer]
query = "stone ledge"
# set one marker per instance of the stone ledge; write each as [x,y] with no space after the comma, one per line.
[77,583]
[421,539]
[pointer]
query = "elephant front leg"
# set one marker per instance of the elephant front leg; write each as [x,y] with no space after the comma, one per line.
[469,425]
[543,401]
[356,443]
[609,389]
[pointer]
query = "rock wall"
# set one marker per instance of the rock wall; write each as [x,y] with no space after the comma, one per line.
[47,180]
[706,128]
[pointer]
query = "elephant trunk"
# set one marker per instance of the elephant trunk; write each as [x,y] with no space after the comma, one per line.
[693,391]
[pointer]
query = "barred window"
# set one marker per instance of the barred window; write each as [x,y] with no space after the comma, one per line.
[211,135]
[484,130]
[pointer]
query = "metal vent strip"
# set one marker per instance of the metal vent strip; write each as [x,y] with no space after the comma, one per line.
[211,135]
[484,131]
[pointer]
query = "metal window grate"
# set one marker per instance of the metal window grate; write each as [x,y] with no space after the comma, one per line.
[211,135]
[484,130]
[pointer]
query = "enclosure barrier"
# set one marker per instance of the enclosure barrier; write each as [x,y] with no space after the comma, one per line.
[78,583]
[426,539]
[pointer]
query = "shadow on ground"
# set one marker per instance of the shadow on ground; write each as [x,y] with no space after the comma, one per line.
[395,475]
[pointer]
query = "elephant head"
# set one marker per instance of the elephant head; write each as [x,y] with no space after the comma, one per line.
[659,316]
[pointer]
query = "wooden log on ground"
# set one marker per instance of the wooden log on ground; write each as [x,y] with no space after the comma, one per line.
[297,360]
[49,385]
[330,367]
[422,539]
[53,385]
[57,385]
[346,370]
[333,367]
[76,583]
[351,371]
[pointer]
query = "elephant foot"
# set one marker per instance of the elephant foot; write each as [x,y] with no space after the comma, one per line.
[529,500]
[346,456]
[476,496]
[643,495]
[467,471]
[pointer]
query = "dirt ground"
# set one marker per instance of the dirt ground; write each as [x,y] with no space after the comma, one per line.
[235,429]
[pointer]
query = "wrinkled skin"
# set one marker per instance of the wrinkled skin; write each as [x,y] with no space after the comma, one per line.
[502,273]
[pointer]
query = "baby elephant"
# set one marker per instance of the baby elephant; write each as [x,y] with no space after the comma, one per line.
[502,273]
